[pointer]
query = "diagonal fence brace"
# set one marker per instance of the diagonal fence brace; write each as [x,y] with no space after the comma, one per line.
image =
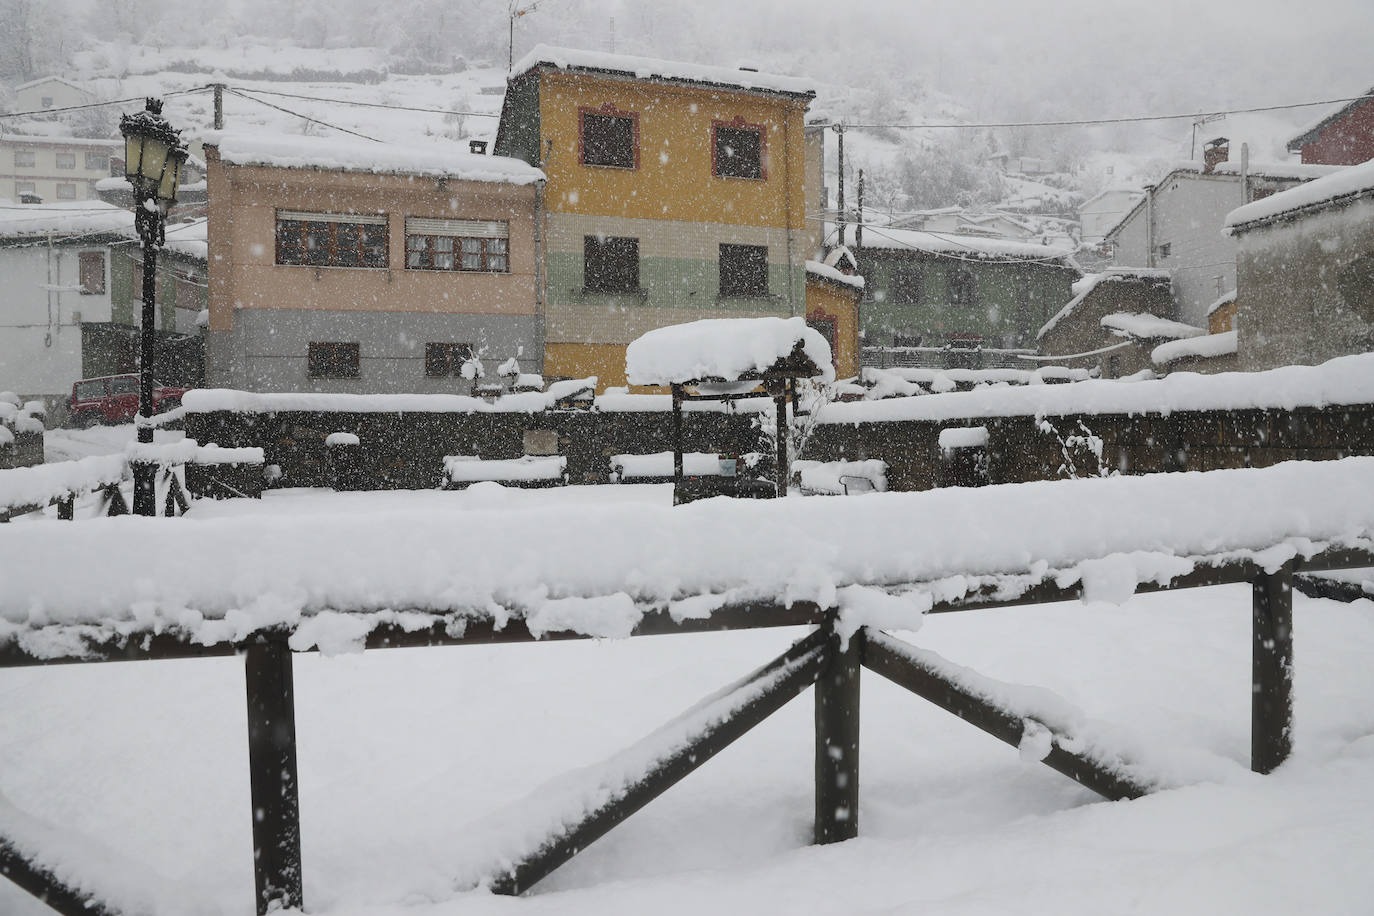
[904,665]
[706,729]
[45,884]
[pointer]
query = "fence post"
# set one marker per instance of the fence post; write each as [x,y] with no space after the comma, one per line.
[272,773]
[1271,697]
[837,742]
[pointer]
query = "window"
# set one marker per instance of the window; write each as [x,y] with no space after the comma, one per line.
[91,272]
[738,149]
[66,160]
[1165,249]
[66,191]
[743,270]
[124,384]
[187,294]
[963,288]
[45,101]
[87,390]
[24,159]
[331,239]
[333,360]
[456,244]
[610,265]
[609,137]
[443,360]
[24,187]
[97,162]
[908,285]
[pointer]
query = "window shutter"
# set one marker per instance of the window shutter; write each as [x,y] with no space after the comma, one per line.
[361,219]
[465,228]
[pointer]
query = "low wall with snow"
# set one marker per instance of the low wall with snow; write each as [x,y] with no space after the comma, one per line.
[405,449]
[1184,422]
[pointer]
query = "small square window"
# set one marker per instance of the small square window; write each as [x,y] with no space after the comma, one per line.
[610,139]
[66,191]
[610,265]
[333,360]
[1166,249]
[66,160]
[25,159]
[45,101]
[743,270]
[22,188]
[738,151]
[445,360]
[97,162]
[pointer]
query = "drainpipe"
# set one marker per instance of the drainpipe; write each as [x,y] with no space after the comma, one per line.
[1244,173]
[787,209]
[1149,225]
[539,334]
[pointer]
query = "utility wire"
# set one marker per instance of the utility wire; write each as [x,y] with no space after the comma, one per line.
[43,111]
[301,116]
[315,98]
[1123,120]
[304,117]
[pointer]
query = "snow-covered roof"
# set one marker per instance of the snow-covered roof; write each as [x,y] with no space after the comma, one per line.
[1089,282]
[825,271]
[1283,171]
[190,238]
[51,79]
[1207,346]
[1309,133]
[65,218]
[725,349]
[976,247]
[1148,327]
[1344,380]
[1350,182]
[442,159]
[1223,299]
[51,140]
[648,68]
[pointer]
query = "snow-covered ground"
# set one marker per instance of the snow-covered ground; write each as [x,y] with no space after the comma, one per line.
[70,444]
[402,751]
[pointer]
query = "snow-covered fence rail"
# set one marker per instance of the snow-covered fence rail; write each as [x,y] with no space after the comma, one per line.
[32,489]
[853,567]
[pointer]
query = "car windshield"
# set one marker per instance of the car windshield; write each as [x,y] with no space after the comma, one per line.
[123,386]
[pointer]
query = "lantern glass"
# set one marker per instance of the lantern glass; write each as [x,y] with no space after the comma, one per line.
[154,161]
[171,178]
[133,157]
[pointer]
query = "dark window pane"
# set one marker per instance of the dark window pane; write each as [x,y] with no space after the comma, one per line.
[333,360]
[446,359]
[611,265]
[744,270]
[608,140]
[739,152]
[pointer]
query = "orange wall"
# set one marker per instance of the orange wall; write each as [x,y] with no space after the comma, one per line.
[824,299]
[243,201]
[674,179]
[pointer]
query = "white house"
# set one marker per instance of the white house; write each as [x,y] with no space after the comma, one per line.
[48,92]
[55,266]
[1177,224]
[1104,210]
[54,169]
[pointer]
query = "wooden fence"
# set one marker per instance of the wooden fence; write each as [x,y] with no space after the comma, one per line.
[822,658]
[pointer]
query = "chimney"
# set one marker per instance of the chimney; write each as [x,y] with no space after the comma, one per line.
[477,147]
[1216,151]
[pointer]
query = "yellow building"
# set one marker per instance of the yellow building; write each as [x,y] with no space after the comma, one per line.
[832,307]
[675,192]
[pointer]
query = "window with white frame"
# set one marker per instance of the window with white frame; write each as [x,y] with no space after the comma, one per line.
[477,246]
[25,159]
[66,160]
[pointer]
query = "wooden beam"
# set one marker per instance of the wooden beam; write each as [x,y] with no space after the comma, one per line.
[272,775]
[760,694]
[837,741]
[44,884]
[883,654]
[1271,687]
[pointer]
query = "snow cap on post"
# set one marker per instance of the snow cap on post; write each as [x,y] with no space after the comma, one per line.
[728,350]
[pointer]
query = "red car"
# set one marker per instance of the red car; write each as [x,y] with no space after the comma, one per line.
[114,399]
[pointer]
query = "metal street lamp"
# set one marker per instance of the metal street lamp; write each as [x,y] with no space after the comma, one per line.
[153,157]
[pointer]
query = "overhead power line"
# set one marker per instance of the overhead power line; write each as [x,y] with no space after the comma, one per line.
[1122,120]
[43,111]
[301,116]
[315,98]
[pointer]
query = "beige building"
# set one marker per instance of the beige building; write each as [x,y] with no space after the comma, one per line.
[49,92]
[339,265]
[53,169]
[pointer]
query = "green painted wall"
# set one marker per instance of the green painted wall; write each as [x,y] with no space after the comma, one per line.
[126,303]
[674,282]
[1013,299]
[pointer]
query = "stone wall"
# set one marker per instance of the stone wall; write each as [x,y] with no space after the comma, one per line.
[406,450]
[1022,449]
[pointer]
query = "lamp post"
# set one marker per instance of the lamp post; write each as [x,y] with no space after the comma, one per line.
[153,157]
